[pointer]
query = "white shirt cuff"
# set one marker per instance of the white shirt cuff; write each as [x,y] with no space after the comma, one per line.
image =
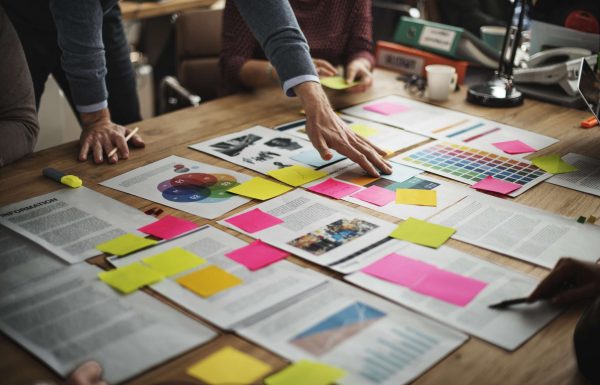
[92,107]
[288,85]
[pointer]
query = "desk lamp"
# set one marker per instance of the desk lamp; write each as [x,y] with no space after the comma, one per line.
[500,91]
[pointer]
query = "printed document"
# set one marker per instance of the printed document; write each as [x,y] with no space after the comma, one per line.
[585,179]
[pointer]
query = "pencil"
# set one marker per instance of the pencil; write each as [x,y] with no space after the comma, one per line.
[131,134]
[507,303]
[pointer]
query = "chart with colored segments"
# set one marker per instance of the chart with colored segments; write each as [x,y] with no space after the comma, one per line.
[470,165]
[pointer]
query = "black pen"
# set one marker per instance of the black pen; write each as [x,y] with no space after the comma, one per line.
[509,302]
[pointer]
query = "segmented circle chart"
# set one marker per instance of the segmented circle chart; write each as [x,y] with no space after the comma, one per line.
[198,187]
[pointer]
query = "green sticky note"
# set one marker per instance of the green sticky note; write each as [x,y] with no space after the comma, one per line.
[129,278]
[124,244]
[363,130]
[553,164]
[173,261]
[259,188]
[422,233]
[306,372]
[337,83]
[229,366]
[296,175]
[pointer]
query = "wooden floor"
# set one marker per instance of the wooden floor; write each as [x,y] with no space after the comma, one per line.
[546,359]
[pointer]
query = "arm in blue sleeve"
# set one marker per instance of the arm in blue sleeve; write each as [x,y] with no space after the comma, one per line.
[79,26]
[275,27]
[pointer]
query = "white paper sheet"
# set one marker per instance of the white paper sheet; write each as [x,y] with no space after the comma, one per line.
[263,149]
[70,317]
[71,222]
[260,290]
[321,230]
[442,123]
[374,341]
[506,328]
[519,231]
[183,184]
[585,179]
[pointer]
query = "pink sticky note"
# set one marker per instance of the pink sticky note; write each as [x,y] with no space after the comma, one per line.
[254,220]
[514,147]
[376,195]
[386,108]
[168,227]
[496,185]
[257,255]
[334,188]
[449,287]
[399,269]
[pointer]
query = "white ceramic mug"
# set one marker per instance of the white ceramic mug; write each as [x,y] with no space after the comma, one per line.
[441,79]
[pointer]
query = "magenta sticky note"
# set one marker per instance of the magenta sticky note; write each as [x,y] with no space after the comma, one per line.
[449,287]
[386,108]
[257,255]
[375,195]
[254,220]
[334,188]
[514,147]
[399,269]
[168,227]
[496,185]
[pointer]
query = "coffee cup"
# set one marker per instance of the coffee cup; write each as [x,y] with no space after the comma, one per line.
[441,80]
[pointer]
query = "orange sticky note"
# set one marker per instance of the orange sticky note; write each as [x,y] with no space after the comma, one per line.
[209,281]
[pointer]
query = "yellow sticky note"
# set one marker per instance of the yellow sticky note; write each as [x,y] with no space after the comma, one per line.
[173,261]
[306,372]
[296,175]
[422,233]
[259,188]
[337,83]
[553,164]
[209,281]
[229,366]
[416,197]
[124,244]
[363,130]
[129,278]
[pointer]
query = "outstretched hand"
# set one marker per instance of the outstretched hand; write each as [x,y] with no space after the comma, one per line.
[327,131]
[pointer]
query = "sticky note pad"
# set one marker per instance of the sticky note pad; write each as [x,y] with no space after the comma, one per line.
[363,130]
[449,287]
[125,244]
[334,188]
[129,278]
[313,158]
[376,195]
[259,188]
[173,261]
[399,269]
[386,108]
[209,281]
[337,83]
[553,164]
[416,197]
[496,185]
[257,255]
[296,175]
[168,227]
[253,221]
[514,147]
[422,233]
[229,366]
[306,372]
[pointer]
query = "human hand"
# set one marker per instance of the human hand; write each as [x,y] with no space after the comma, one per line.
[89,373]
[324,68]
[359,70]
[100,135]
[326,130]
[570,281]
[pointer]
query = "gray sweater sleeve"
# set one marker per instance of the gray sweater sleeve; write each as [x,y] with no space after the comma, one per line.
[18,117]
[275,27]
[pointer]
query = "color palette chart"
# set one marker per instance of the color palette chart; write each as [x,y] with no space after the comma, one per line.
[470,165]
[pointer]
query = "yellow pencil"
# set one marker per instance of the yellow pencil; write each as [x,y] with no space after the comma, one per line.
[131,134]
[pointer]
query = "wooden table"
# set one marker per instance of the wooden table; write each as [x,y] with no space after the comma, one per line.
[132,10]
[546,359]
